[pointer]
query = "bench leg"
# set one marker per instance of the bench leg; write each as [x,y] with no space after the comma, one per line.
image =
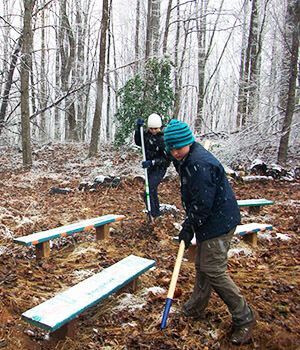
[254,210]
[42,250]
[251,238]
[102,232]
[68,330]
[191,253]
[131,286]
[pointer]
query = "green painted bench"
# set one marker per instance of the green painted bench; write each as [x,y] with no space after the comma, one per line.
[247,231]
[41,240]
[57,315]
[254,205]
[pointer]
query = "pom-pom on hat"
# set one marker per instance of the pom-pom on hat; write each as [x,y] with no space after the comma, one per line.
[177,134]
[154,121]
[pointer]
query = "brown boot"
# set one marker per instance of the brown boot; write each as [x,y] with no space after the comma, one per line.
[243,334]
[192,313]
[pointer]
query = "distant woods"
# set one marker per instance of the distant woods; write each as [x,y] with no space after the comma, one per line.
[65,67]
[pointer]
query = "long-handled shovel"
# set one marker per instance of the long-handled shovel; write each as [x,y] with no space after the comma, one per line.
[172,286]
[146,175]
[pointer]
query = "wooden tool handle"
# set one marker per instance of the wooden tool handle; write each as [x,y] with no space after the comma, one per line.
[176,270]
[172,285]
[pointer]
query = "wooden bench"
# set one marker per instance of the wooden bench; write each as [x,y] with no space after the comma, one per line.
[41,240]
[247,231]
[57,315]
[254,204]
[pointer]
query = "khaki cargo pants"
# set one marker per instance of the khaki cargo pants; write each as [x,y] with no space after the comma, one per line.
[211,265]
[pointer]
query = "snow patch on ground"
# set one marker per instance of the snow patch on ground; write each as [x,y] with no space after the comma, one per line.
[154,290]
[2,250]
[242,251]
[131,302]
[81,250]
[276,235]
[168,207]
[81,275]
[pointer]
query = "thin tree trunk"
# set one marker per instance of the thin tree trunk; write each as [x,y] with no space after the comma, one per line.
[108,121]
[292,43]
[43,92]
[242,72]
[137,36]
[176,64]
[148,30]
[202,57]
[25,78]
[155,26]
[166,32]
[80,71]
[100,81]
[250,56]
[67,52]
[9,81]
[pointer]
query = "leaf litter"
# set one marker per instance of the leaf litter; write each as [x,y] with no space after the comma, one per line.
[268,275]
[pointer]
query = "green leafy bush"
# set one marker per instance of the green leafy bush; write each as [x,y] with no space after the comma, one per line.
[142,95]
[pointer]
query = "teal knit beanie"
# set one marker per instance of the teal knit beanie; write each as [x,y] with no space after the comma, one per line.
[177,134]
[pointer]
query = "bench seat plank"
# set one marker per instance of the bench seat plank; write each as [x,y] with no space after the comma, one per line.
[64,307]
[242,230]
[254,202]
[245,229]
[63,231]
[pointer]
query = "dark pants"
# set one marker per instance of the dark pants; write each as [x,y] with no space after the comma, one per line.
[211,266]
[155,176]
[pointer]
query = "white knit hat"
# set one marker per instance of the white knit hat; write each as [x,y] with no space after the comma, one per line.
[154,121]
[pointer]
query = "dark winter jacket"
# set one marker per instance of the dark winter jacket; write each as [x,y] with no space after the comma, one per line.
[154,148]
[210,204]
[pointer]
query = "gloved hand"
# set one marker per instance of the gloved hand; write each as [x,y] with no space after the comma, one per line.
[186,236]
[139,122]
[148,163]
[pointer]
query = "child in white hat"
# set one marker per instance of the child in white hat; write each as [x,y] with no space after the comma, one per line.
[157,160]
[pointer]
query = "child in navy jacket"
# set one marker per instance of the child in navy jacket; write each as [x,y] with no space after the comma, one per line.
[156,158]
[212,215]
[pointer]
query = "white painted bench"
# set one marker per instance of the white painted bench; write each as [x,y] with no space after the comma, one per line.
[254,205]
[247,231]
[41,240]
[57,314]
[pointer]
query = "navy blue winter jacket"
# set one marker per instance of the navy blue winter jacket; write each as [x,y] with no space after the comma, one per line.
[210,204]
[154,148]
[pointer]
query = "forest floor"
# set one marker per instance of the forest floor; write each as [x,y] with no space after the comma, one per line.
[268,275]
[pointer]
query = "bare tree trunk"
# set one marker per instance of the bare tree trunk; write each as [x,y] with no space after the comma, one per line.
[100,81]
[242,72]
[67,52]
[202,57]
[149,30]
[57,115]
[176,63]
[25,77]
[9,81]
[253,104]
[166,32]
[108,121]
[80,71]
[155,26]
[292,51]
[249,61]
[5,57]
[137,36]
[43,92]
